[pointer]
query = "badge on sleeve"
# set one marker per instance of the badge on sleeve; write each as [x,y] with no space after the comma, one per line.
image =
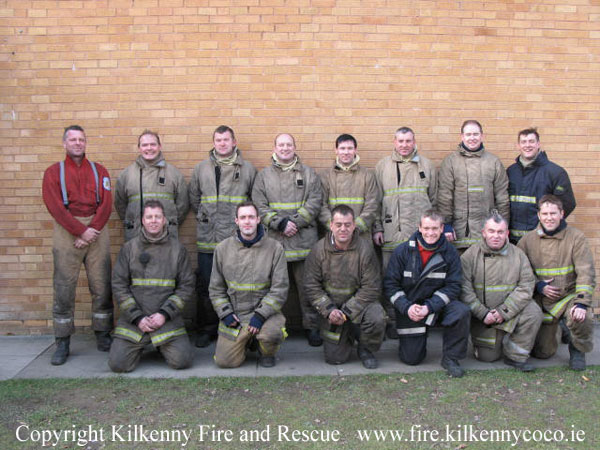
[106,183]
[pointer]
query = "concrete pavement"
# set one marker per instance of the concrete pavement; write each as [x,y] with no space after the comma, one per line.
[29,357]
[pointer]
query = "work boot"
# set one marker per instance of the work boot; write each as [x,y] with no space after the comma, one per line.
[103,340]
[452,367]
[565,334]
[522,366]
[368,359]
[203,340]
[266,361]
[390,331]
[314,337]
[576,358]
[62,351]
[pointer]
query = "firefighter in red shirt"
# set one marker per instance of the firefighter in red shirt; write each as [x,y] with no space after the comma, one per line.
[77,194]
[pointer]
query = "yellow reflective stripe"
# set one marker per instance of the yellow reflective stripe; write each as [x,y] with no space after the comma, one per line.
[555,271]
[160,338]
[284,332]
[475,189]
[206,245]
[331,335]
[120,331]
[220,301]
[404,190]
[167,195]
[484,341]
[304,213]
[178,301]
[296,253]
[496,288]
[391,246]
[584,288]
[519,233]
[227,330]
[153,282]
[523,199]
[360,223]
[124,306]
[272,303]
[342,291]
[247,286]
[279,205]
[548,318]
[558,306]
[269,217]
[346,200]
[466,241]
[223,198]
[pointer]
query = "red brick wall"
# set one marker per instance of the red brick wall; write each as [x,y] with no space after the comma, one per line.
[315,68]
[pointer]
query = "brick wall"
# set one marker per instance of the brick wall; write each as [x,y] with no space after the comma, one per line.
[314,68]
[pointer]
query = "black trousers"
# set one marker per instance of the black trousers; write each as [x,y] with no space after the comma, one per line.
[207,320]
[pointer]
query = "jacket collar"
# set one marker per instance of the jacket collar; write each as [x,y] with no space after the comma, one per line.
[413,157]
[330,244]
[558,234]
[468,153]
[540,160]
[486,249]
[158,162]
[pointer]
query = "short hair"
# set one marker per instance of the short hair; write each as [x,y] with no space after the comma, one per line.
[72,128]
[149,133]
[153,203]
[433,215]
[470,122]
[342,210]
[224,129]
[403,130]
[284,134]
[244,204]
[552,199]
[495,217]
[528,131]
[343,138]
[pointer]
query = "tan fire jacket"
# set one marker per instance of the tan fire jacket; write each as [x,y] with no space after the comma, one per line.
[356,188]
[294,195]
[408,189]
[471,185]
[142,181]
[215,207]
[566,258]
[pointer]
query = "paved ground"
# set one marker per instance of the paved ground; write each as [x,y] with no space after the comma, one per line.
[29,357]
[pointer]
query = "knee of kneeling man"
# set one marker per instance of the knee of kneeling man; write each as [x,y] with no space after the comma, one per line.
[181,363]
[118,366]
[227,364]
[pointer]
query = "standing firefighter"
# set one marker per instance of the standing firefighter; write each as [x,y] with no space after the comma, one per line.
[152,281]
[150,177]
[76,192]
[248,287]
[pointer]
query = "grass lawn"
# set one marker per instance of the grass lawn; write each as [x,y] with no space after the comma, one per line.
[424,410]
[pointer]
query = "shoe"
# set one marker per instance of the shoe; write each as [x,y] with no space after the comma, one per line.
[565,334]
[62,351]
[314,338]
[266,361]
[576,359]
[203,340]
[103,340]
[452,367]
[367,358]
[390,331]
[522,366]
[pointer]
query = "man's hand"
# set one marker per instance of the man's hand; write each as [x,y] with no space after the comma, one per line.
[378,238]
[234,323]
[157,320]
[290,229]
[552,292]
[89,235]
[493,317]
[146,325]
[416,313]
[450,236]
[337,317]
[253,330]
[80,243]
[578,314]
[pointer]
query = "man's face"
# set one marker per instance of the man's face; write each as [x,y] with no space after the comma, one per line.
[550,216]
[154,221]
[529,146]
[149,147]
[224,144]
[75,143]
[342,227]
[345,152]
[404,143]
[495,234]
[431,230]
[247,221]
[472,137]
[285,149]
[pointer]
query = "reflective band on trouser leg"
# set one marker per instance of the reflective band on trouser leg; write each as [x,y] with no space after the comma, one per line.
[411,331]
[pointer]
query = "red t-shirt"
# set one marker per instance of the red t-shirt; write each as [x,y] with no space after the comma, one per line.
[425,254]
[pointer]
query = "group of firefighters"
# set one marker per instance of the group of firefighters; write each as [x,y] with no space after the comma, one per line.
[472,247]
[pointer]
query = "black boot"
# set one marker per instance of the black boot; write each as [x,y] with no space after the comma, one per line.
[390,331]
[314,337]
[576,358]
[367,358]
[62,351]
[103,340]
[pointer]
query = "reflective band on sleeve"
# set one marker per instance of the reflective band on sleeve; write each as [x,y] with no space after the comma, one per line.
[272,303]
[396,296]
[417,330]
[269,217]
[220,301]
[429,320]
[443,296]
[178,301]
[158,339]
[523,199]
[163,282]
[360,223]
[584,288]
[247,286]
[305,214]
[125,332]
[125,305]
[555,271]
